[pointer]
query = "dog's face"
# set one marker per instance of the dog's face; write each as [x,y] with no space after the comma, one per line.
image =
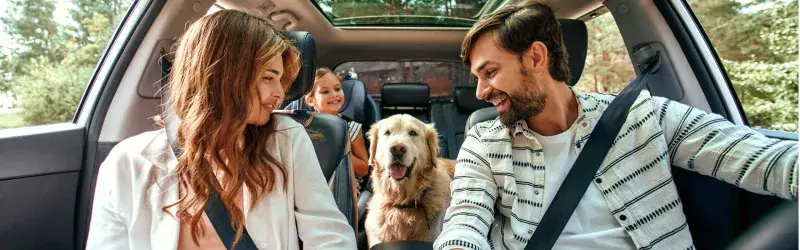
[402,147]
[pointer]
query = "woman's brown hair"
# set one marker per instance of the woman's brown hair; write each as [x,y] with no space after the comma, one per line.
[217,63]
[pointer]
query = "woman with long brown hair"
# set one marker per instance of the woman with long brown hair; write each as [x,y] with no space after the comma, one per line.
[230,72]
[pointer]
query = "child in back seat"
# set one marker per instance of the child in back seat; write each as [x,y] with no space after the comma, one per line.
[326,96]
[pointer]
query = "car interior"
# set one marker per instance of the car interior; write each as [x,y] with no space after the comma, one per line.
[46,184]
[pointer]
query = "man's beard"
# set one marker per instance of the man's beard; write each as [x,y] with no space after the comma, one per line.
[528,101]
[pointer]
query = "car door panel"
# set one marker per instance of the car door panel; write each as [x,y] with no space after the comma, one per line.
[781,135]
[41,150]
[39,174]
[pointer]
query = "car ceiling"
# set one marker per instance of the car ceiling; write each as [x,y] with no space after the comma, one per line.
[336,45]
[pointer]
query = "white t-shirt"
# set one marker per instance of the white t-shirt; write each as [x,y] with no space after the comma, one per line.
[591,226]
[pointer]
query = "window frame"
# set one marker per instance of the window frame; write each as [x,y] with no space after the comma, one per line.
[377,97]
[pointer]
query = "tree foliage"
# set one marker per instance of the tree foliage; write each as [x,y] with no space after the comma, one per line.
[52,62]
[608,67]
[757,42]
[767,91]
[51,92]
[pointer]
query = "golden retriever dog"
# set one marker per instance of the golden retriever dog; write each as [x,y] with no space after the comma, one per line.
[411,185]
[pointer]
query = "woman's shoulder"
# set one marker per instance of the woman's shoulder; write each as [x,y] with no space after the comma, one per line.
[283,122]
[144,142]
[287,129]
[140,152]
[127,168]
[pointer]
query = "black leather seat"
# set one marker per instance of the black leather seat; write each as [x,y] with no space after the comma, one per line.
[333,129]
[450,117]
[358,104]
[406,98]
[330,146]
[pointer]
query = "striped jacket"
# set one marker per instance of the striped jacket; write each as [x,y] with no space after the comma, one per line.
[497,193]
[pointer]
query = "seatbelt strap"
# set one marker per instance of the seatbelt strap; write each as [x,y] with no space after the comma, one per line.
[221,220]
[215,210]
[588,162]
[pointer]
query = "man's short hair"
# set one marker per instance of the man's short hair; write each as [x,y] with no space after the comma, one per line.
[519,25]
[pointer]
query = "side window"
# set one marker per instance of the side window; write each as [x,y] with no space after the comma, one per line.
[440,76]
[757,44]
[48,52]
[608,66]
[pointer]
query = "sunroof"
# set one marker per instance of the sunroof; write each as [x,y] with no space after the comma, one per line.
[449,13]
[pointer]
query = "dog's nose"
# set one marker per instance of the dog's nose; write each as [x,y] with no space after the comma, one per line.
[398,150]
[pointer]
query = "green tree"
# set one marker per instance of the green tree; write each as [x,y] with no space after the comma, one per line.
[608,67]
[756,40]
[738,34]
[30,24]
[97,36]
[768,93]
[52,70]
[778,31]
[111,10]
[51,92]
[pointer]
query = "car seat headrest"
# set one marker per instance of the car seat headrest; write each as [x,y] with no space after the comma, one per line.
[465,100]
[405,95]
[576,40]
[308,52]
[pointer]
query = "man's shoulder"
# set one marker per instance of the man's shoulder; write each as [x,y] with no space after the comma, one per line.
[600,101]
[488,129]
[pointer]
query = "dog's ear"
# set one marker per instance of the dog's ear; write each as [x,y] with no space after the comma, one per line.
[432,138]
[372,135]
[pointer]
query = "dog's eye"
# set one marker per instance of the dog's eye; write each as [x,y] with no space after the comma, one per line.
[413,133]
[386,132]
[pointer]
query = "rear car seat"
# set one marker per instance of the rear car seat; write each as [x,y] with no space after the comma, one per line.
[330,148]
[358,104]
[406,98]
[450,118]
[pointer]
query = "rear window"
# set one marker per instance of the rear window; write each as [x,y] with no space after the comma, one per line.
[442,77]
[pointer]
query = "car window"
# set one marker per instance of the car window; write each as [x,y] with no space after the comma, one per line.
[608,66]
[757,44]
[48,52]
[440,76]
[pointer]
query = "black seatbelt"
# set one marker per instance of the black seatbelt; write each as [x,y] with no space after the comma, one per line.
[221,219]
[216,211]
[585,167]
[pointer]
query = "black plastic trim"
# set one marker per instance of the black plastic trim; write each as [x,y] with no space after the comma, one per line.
[782,135]
[39,175]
